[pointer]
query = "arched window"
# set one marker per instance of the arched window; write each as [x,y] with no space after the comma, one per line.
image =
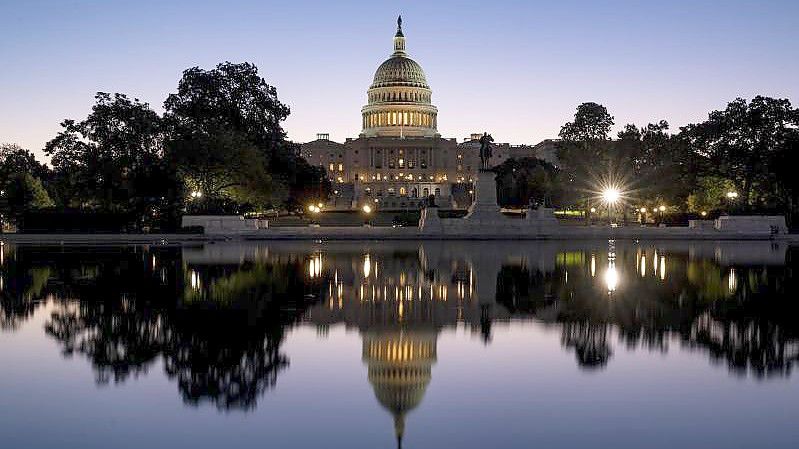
[414,192]
[403,191]
[425,192]
[438,191]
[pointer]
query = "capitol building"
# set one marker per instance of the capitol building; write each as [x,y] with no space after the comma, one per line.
[399,158]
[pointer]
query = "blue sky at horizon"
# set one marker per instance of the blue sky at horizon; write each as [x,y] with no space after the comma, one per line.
[514,68]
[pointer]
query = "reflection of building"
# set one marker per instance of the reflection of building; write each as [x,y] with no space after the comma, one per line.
[400,365]
[399,298]
[400,158]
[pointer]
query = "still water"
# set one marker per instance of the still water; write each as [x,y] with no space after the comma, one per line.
[423,344]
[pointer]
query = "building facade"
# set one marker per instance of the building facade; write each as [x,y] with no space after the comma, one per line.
[399,158]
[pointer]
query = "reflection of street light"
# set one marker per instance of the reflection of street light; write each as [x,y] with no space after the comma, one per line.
[611,277]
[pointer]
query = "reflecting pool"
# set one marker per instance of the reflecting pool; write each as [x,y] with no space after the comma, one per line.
[415,344]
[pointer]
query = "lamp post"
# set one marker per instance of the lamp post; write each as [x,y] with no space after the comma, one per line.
[367,210]
[731,197]
[610,196]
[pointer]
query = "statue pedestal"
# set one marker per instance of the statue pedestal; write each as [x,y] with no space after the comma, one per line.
[429,221]
[485,209]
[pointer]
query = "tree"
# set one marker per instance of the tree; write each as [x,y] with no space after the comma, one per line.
[24,193]
[528,181]
[591,123]
[742,142]
[15,159]
[583,151]
[710,195]
[223,172]
[234,101]
[113,161]
[21,178]
[659,165]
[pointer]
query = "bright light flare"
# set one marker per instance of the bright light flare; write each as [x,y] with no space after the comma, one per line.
[611,195]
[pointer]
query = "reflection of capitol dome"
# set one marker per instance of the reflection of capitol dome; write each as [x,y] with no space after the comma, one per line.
[400,365]
[399,98]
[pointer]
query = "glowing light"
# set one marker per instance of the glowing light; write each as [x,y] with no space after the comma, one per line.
[611,277]
[315,266]
[611,195]
[662,208]
[662,268]
[367,266]
[732,281]
[196,194]
[593,210]
[367,209]
[194,277]
[643,265]
[703,213]
[643,210]
[593,265]
[732,195]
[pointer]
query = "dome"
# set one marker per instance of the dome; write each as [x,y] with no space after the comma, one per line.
[400,70]
[399,98]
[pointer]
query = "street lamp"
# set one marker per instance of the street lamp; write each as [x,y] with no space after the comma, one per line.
[367,210]
[732,195]
[610,196]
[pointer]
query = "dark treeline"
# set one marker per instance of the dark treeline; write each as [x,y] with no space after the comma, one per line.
[749,148]
[218,148]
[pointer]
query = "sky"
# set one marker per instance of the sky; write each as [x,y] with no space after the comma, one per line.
[516,69]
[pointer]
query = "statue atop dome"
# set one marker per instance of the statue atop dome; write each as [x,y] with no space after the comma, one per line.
[399,26]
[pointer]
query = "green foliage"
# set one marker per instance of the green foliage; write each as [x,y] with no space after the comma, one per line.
[583,149]
[658,166]
[528,181]
[710,194]
[24,193]
[744,143]
[113,161]
[228,141]
[592,122]
[220,136]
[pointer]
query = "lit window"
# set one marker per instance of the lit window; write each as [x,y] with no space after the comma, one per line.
[402,163]
[340,167]
[331,166]
[402,191]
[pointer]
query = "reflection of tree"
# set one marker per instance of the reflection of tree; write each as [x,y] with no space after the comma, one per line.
[741,315]
[590,343]
[21,287]
[755,330]
[223,350]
